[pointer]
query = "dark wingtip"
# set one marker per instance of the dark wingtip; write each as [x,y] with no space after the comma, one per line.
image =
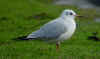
[21,38]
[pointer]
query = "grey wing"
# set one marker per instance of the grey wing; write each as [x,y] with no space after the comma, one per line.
[50,30]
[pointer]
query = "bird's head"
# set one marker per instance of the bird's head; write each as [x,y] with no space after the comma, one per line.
[69,13]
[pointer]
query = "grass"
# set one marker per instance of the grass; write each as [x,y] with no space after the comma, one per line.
[14,22]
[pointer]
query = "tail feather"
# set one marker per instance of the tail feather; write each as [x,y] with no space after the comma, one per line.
[31,36]
[24,38]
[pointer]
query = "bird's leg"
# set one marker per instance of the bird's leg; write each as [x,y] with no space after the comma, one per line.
[57,45]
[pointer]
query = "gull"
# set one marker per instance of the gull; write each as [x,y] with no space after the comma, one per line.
[57,30]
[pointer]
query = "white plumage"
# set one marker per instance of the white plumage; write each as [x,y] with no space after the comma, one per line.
[58,29]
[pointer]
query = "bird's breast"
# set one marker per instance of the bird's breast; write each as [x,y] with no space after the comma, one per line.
[71,26]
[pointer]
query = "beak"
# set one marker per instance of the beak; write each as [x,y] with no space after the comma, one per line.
[79,16]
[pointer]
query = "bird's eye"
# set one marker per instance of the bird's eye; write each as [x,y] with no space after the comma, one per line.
[71,13]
